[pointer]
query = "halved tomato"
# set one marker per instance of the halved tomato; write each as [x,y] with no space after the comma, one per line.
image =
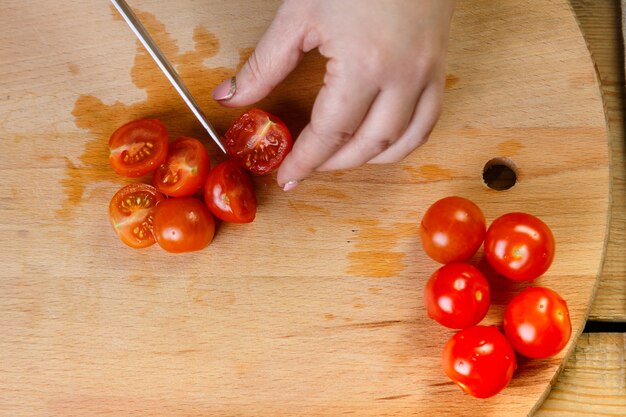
[229,193]
[258,141]
[185,169]
[131,212]
[138,147]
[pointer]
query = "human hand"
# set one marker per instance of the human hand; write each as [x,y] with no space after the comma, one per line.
[383,86]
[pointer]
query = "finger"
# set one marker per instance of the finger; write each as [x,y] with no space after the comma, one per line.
[339,109]
[277,54]
[386,122]
[424,120]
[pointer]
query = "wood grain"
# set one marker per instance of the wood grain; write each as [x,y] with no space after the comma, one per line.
[593,382]
[314,309]
[600,23]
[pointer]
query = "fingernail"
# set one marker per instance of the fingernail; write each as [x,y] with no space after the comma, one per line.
[226,90]
[290,185]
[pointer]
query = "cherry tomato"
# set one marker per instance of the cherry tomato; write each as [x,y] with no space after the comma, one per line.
[537,322]
[258,141]
[452,230]
[229,193]
[185,169]
[138,147]
[183,225]
[131,212]
[519,246]
[480,360]
[457,296]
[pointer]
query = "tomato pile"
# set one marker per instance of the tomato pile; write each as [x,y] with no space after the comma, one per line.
[481,359]
[177,209]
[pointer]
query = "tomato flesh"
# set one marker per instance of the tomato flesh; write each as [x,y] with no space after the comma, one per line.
[138,147]
[480,360]
[457,296]
[258,141]
[452,230]
[519,246]
[185,169]
[183,225]
[131,213]
[229,193]
[537,322]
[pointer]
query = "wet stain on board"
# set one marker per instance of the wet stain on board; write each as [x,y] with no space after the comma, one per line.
[376,248]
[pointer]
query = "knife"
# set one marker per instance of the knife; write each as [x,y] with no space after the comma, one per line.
[142,34]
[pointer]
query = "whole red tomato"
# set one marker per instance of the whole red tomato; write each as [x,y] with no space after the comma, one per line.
[519,246]
[452,230]
[537,322]
[185,169]
[258,141]
[229,193]
[131,213]
[183,225]
[138,147]
[480,360]
[457,296]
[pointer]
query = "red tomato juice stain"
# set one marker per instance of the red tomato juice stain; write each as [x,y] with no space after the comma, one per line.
[292,101]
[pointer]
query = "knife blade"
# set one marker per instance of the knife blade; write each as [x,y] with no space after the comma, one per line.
[155,52]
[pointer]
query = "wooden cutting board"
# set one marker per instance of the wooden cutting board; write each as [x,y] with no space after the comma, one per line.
[316,307]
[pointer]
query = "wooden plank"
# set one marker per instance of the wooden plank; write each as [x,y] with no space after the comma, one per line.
[601,26]
[593,382]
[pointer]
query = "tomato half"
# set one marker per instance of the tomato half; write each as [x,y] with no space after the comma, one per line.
[258,141]
[138,147]
[185,169]
[480,360]
[131,212]
[452,230]
[457,296]
[229,193]
[537,322]
[519,246]
[183,225]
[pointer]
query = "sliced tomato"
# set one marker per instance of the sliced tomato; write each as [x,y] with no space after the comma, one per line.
[185,169]
[183,225]
[258,141]
[131,212]
[229,193]
[138,147]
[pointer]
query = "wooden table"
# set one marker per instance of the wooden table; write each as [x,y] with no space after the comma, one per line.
[593,382]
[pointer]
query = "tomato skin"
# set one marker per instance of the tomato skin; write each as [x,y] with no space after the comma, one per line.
[519,246]
[452,230]
[229,193]
[131,213]
[185,169]
[537,322]
[480,360]
[258,141]
[138,147]
[457,296]
[183,225]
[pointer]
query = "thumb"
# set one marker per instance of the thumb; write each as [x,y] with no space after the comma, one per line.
[277,54]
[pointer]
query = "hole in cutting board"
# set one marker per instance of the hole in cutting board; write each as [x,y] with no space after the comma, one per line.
[500,174]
